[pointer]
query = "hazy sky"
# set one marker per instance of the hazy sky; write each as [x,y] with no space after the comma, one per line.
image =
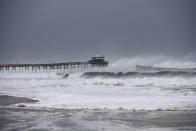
[40,30]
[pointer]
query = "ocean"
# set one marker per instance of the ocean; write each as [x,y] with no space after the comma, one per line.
[156,84]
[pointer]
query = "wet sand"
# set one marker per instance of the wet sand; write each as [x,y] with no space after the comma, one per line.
[6,100]
[46,119]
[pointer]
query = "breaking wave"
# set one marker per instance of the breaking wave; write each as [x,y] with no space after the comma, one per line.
[151,68]
[139,74]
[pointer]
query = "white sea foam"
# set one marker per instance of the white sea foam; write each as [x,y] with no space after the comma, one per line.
[148,93]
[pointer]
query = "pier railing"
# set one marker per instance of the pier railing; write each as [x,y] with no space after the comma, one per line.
[51,66]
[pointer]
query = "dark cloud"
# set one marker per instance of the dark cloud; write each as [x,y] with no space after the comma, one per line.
[40,30]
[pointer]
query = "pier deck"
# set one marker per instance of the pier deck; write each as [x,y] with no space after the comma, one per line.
[53,66]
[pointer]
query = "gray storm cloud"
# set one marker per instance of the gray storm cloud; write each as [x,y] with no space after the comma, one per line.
[37,30]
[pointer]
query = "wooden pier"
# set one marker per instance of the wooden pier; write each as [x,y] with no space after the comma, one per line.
[93,62]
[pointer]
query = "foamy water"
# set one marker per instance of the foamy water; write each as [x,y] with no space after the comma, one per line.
[144,92]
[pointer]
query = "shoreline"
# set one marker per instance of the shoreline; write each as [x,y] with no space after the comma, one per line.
[28,118]
[18,102]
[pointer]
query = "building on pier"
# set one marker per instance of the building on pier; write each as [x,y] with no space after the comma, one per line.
[98,60]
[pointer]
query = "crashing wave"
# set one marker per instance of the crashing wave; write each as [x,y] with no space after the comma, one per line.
[151,68]
[139,74]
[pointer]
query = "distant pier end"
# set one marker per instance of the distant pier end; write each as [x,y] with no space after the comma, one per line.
[98,61]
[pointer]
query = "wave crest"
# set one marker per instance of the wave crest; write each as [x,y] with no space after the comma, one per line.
[139,74]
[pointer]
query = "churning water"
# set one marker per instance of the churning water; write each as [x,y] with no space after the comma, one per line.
[173,86]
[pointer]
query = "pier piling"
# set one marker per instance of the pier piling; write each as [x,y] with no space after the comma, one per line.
[94,62]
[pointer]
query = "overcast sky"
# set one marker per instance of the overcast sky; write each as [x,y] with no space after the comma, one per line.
[43,30]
